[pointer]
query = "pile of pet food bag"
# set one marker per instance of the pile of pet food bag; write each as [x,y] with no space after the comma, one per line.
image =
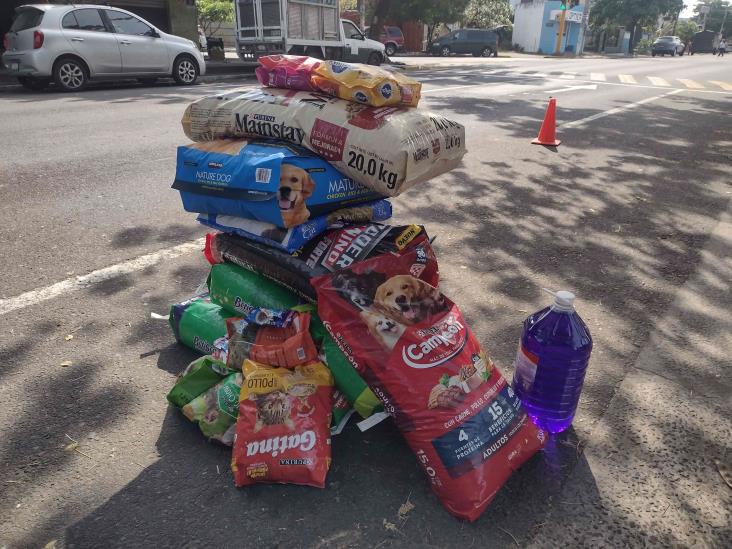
[315,308]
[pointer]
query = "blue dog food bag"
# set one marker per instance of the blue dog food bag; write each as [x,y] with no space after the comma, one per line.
[295,238]
[266,181]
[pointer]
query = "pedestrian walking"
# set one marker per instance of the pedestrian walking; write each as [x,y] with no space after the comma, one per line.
[722,49]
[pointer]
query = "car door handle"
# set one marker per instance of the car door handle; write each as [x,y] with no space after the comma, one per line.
[77,39]
[125,42]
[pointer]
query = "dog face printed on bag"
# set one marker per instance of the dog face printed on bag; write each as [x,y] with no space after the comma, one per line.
[384,329]
[295,186]
[273,409]
[408,300]
[359,289]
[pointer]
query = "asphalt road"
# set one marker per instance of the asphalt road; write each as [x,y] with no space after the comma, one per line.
[632,212]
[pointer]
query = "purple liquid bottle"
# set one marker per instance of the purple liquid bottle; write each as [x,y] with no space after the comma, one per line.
[550,363]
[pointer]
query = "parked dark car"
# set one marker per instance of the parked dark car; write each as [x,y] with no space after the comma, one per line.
[479,42]
[671,45]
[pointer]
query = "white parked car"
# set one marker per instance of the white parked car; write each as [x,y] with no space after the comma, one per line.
[72,44]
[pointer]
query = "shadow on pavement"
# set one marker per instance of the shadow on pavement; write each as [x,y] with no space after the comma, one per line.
[622,221]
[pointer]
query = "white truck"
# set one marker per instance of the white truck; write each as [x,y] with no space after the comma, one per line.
[301,27]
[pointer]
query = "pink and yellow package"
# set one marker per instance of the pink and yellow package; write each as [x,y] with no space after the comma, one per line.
[287,71]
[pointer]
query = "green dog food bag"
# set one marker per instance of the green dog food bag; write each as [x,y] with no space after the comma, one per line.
[347,379]
[197,323]
[239,291]
[198,377]
[216,410]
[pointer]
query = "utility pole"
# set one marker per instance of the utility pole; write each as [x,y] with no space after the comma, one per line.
[705,11]
[558,47]
[724,19]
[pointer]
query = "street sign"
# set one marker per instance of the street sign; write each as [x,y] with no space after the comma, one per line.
[704,9]
[573,17]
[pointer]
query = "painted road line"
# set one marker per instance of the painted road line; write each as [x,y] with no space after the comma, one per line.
[691,84]
[617,110]
[598,76]
[450,88]
[70,284]
[724,85]
[658,81]
[572,88]
[568,75]
[627,79]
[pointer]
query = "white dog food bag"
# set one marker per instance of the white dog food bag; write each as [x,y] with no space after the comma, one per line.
[388,149]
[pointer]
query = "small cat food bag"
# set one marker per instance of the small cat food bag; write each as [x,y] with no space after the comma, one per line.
[283,431]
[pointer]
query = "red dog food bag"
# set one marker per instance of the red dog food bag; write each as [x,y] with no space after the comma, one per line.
[418,355]
[283,430]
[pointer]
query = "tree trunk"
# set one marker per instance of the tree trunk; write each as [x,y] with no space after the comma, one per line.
[377,20]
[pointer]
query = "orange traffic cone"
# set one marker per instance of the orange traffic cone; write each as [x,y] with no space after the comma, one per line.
[547,133]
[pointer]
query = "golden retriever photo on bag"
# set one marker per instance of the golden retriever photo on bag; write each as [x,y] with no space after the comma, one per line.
[408,300]
[295,186]
[384,329]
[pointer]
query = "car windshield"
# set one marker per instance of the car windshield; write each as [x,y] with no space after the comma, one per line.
[27,19]
[665,39]
[394,32]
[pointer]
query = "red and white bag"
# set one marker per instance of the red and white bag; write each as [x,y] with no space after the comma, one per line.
[416,352]
[283,429]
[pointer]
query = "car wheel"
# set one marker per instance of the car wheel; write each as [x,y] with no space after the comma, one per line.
[70,74]
[486,52]
[374,59]
[673,53]
[653,54]
[445,51]
[185,70]
[390,49]
[33,84]
[147,81]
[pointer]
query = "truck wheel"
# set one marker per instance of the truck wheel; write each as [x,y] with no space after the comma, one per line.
[486,52]
[374,59]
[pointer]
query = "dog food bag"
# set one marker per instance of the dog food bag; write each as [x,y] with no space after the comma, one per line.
[197,323]
[329,252]
[216,410]
[199,376]
[285,347]
[341,412]
[367,84]
[296,237]
[240,290]
[283,431]
[287,71]
[460,417]
[388,149]
[347,380]
[277,183]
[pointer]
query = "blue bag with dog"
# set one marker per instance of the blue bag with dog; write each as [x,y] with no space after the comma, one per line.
[267,181]
[294,238]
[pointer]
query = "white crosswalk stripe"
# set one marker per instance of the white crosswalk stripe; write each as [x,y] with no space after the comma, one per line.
[691,84]
[598,76]
[568,75]
[658,81]
[627,79]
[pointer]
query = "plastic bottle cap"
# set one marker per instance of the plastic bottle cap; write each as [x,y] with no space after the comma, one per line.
[563,300]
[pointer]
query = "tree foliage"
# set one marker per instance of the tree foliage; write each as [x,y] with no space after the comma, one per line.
[487,14]
[684,30]
[213,13]
[715,17]
[633,14]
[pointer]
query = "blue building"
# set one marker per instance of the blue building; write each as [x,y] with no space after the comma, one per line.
[536,25]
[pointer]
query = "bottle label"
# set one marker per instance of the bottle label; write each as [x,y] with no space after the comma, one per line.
[525,367]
